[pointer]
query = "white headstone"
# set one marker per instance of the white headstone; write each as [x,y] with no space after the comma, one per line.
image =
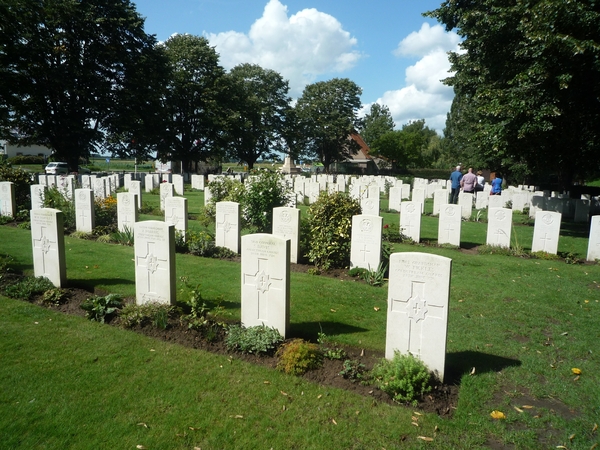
[127,211]
[178,183]
[418,195]
[465,200]
[286,224]
[546,232]
[38,193]
[228,225]
[449,225]
[166,190]
[395,198]
[8,205]
[499,227]
[370,205]
[135,187]
[149,182]
[405,191]
[47,236]
[99,188]
[410,220]
[65,186]
[417,316]
[482,199]
[593,252]
[176,214]
[84,210]
[440,198]
[266,281]
[154,262]
[365,241]
[198,182]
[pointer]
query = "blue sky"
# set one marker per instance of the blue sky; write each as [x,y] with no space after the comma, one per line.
[388,48]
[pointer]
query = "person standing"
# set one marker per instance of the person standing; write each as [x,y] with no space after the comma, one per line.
[497,185]
[455,178]
[480,181]
[468,182]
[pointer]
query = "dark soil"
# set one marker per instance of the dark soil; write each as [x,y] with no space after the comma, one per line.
[441,400]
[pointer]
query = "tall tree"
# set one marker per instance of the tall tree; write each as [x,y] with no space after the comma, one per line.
[327,112]
[195,101]
[529,77]
[65,66]
[258,102]
[376,123]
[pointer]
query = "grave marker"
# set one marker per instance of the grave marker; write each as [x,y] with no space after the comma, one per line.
[8,205]
[228,225]
[449,225]
[365,242]
[417,316]
[546,232]
[84,210]
[286,224]
[499,227]
[176,214]
[154,262]
[47,238]
[410,220]
[593,252]
[127,211]
[266,281]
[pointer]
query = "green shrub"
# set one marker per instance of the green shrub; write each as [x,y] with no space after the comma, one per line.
[105,214]
[99,309]
[26,159]
[27,287]
[200,243]
[330,349]
[264,191]
[257,339]
[354,371]
[404,378]
[124,237]
[53,198]
[21,181]
[357,272]
[330,219]
[156,314]
[298,357]
[55,296]
[375,277]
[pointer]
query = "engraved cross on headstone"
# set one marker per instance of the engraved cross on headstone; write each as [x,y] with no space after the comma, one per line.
[263,282]
[546,239]
[364,252]
[152,264]
[45,245]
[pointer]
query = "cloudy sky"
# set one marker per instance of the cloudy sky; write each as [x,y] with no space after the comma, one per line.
[396,55]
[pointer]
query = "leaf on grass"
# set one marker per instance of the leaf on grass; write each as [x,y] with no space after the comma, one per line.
[425,438]
[237,416]
[595,428]
[320,395]
[415,424]
[142,424]
[572,437]
[266,382]
[561,446]
[376,308]
[519,410]
[193,429]
[333,310]
[576,378]
[140,447]
[576,371]
[472,371]
[497,415]
[417,413]
[564,334]
[334,422]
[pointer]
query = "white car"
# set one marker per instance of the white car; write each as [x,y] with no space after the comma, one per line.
[57,168]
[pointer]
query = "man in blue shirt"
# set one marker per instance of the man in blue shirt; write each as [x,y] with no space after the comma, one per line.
[455,177]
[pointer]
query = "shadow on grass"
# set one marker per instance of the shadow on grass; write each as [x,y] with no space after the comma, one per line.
[310,330]
[575,229]
[461,363]
[469,245]
[89,285]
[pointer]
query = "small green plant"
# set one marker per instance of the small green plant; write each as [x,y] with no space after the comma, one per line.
[27,287]
[298,357]
[200,243]
[257,339]
[124,237]
[356,272]
[55,296]
[156,314]
[404,377]
[571,258]
[330,352]
[544,255]
[354,371]
[81,235]
[99,309]
[375,277]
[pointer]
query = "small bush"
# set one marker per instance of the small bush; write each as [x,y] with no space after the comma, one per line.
[375,277]
[354,371]
[53,198]
[26,288]
[21,181]
[258,339]
[200,243]
[298,357]
[264,191]
[155,314]
[330,219]
[404,378]
[55,296]
[99,309]
[124,237]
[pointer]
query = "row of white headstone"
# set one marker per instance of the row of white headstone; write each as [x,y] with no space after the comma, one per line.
[418,293]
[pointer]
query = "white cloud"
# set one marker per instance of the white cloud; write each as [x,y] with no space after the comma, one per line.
[426,40]
[424,96]
[300,47]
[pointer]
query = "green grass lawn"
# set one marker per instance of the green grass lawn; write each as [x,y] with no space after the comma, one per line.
[517,326]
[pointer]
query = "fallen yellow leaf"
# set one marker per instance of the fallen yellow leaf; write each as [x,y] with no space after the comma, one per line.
[527,407]
[140,447]
[424,438]
[332,310]
[334,422]
[376,308]
[519,410]
[497,415]
[576,371]
[595,428]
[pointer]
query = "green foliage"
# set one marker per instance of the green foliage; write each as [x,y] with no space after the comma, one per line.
[155,314]
[222,189]
[354,371]
[124,237]
[257,339]
[55,296]
[6,262]
[105,214]
[298,357]
[27,287]
[55,199]
[327,113]
[330,219]
[357,272]
[99,309]
[330,349]
[375,277]
[404,378]
[26,159]
[200,243]
[265,190]
[376,123]
[21,180]
[82,235]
